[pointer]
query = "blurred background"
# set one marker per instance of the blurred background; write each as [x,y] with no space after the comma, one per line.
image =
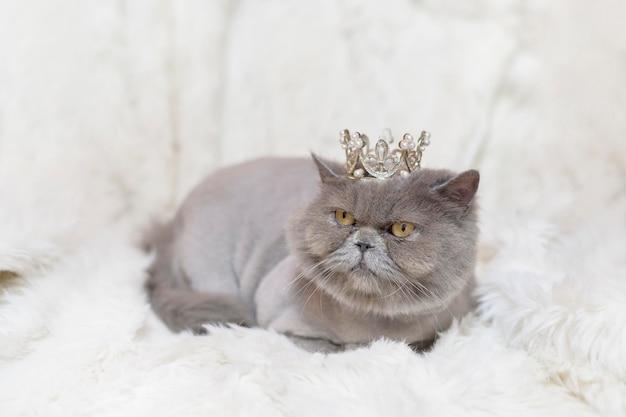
[110,111]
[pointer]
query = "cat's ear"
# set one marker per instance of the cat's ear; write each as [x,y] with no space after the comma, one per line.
[327,174]
[461,189]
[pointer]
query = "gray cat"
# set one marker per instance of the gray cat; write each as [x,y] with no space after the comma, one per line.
[332,262]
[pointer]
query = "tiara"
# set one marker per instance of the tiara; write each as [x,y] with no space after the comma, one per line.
[381,162]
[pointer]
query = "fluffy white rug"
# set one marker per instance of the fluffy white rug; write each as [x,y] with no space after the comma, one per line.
[111,111]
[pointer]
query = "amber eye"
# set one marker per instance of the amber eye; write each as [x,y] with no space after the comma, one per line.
[402,229]
[343,217]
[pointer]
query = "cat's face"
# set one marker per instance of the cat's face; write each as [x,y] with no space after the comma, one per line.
[390,247]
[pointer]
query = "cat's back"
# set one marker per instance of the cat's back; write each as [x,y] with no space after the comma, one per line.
[267,184]
[232,224]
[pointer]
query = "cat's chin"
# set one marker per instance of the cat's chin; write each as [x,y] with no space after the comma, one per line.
[361,270]
[364,281]
[362,291]
[363,274]
[372,286]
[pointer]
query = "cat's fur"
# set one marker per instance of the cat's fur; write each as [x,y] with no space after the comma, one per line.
[258,244]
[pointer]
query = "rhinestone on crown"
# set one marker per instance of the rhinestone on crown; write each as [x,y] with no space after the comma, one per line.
[381,162]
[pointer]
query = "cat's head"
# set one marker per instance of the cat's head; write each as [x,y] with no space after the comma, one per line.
[390,247]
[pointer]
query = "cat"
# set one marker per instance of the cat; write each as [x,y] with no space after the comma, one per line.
[296,246]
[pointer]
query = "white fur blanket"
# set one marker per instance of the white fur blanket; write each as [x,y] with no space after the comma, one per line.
[111,111]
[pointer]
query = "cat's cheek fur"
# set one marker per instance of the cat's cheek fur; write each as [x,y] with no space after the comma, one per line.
[323,235]
[415,255]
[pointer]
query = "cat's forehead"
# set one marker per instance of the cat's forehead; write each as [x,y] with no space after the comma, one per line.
[380,200]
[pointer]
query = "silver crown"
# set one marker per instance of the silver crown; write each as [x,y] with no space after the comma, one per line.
[381,162]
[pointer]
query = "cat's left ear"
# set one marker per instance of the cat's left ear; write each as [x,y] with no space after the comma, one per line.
[326,172]
[461,189]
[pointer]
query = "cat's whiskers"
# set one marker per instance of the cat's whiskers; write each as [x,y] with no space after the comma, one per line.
[397,294]
[408,288]
[388,272]
[305,273]
[421,288]
[398,283]
[391,294]
[321,278]
[429,307]
[409,297]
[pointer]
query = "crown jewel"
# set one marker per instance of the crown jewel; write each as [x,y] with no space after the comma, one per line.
[381,162]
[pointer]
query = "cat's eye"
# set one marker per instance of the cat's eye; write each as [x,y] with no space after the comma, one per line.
[402,229]
[345,218]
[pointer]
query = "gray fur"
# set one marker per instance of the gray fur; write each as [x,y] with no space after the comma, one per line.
[257,244]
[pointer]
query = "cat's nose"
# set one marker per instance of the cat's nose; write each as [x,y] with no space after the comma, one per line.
[363,246]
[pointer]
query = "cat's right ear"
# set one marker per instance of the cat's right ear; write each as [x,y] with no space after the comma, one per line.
[327,175]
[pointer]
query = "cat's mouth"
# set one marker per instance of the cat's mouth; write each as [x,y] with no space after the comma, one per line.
[364,269]
[368,265]
[362,265]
